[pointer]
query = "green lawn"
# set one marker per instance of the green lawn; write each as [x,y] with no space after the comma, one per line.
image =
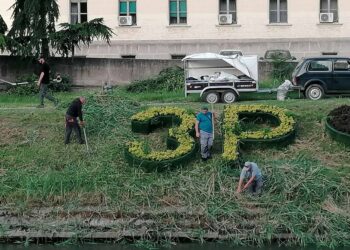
[307,192]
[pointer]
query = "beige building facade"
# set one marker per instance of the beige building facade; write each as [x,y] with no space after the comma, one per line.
[165,29]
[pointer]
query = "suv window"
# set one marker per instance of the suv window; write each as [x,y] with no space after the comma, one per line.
[320,66]
[341,65]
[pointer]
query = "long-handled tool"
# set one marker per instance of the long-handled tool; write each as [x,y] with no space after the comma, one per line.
[13,83]
[212,119]
[86,142]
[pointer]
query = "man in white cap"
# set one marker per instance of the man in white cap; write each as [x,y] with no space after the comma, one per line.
[254,184]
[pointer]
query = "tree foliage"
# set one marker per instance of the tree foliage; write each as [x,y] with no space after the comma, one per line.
[33,21]
[71,35]
[3,26]
[3,29]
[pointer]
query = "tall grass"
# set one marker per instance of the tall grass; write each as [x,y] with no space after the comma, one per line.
[306,194]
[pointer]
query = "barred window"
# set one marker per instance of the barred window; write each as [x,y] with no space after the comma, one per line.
[278,11]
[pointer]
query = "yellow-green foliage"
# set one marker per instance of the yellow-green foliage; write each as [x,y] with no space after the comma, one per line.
[231,119]
[186,142]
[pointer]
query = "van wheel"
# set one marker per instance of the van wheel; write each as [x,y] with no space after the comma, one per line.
[211,97]
[314,92]
[229,97]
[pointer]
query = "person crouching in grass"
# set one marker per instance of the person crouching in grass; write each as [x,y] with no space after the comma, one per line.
[254,183]
[204,131]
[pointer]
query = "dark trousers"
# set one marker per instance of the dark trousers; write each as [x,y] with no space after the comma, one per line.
[72,124]
[44,93]
[256,186]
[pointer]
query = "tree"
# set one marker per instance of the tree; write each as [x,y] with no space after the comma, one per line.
[71,35]
[33,21]
[3,29]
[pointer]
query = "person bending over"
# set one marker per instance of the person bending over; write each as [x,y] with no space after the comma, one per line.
[73,113]
[252,173]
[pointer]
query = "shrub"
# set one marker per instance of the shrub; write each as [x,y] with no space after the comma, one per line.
[64,85]
[31,88]
[181,147]
[233,132]
[169,79]
[27,89]
[281,69]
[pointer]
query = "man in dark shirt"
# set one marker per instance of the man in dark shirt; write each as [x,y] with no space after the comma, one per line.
[44,80]
[73,113]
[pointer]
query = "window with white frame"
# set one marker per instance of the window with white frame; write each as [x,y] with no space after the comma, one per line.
[330,6]
[177,12]
[278,11]
[78,11]
[128,8]
[228,7]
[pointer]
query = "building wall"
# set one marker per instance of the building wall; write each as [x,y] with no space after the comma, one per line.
[153,37]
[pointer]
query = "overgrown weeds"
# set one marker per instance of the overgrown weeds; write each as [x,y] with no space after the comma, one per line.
[62,85]
[169,79]
[303,197]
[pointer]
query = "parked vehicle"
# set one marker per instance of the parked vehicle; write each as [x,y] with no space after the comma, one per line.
[277,54]
[319,76]
[217,77]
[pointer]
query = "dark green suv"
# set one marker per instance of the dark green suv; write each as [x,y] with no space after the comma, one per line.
[319,76]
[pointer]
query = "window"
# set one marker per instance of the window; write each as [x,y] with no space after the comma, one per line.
[320,66]
[330,6]
[128,8]
[78,11]
[178,57]
[278,11]
[329,53]
[177,12]
[228,7]
[128,56]
[341,65]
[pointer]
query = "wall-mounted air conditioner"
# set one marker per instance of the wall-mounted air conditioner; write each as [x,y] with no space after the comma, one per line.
[225,19]
[125,20]
[326,18]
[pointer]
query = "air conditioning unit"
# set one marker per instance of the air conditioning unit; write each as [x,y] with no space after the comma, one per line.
[125,20]
[326,18]
[225,19]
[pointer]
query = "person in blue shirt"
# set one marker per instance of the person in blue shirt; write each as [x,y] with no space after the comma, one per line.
[252,173]
[204,131]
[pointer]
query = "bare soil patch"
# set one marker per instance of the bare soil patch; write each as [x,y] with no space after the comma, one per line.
[340,118]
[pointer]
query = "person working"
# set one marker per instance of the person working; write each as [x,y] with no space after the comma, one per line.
[44,80]
[204,131]
[74,111]
[254,184]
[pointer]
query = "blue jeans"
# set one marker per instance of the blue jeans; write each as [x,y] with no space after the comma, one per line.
[206,140]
